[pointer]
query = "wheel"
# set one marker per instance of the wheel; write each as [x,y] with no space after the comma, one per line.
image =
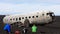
[26,23]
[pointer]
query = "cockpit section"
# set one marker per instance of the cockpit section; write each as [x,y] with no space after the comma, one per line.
[51,14]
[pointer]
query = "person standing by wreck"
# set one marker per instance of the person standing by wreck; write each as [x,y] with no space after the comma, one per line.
[34,29]
[7,28]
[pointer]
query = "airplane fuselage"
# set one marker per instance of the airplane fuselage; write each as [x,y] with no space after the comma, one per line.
[36,17]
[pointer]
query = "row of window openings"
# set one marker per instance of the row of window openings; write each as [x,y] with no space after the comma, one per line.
[23,18]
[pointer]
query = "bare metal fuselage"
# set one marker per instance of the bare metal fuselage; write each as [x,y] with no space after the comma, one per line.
[39,17]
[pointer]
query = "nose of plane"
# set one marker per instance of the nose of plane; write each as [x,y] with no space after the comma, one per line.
[53,16]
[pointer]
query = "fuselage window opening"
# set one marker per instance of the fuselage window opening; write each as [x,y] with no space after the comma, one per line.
[47,14]
[42,14]
[29,16]
[37,16]
[16,19]
[22,17]
[32,16]
[13,18]
[10,19]
[25,17]
[19,18]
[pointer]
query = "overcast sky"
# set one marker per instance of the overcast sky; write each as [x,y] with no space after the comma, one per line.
[8,7]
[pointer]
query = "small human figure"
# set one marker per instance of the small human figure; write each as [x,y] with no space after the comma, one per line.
[26,22]
[7,28]
[24,30]
[34,29]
